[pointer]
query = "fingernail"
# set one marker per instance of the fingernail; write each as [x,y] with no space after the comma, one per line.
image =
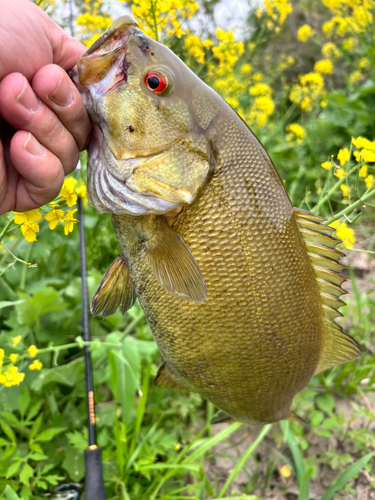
[34,147]
[27,98]
[63,94]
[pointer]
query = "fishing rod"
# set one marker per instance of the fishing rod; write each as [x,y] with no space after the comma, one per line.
[94,482]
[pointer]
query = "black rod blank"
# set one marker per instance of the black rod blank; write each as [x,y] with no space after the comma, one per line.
[94,482]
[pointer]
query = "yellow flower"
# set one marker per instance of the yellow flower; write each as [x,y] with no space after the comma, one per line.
[11,376]
[345,190]
[246,69]
[344,233]
[363,171]
[361,142]
[36,365]
[348,44]
[343,156]
[54,216]
[356,77]
[1,357]
[367,155]
[68,192]
[265,104]
[340,173]
[296,131]
[329,49]
[369,180]
[29,231]
[16,340]
[305,32]
[29,217]
[324,66]
[364,63]
[257,77]
[260,89]
[13,357]
[323,103]
[326,165]
[286,471]
[69,222]
[33,351]
[225,36]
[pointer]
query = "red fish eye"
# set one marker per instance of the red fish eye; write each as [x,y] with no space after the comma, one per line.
[156,82]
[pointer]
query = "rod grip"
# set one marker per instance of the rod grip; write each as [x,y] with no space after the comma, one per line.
[94,483]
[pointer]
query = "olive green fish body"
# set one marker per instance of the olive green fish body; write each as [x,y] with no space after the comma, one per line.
[239,288]
[256,340]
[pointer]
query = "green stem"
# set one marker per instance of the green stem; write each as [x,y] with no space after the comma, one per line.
[333,189]
[24,269]
[359,250]
[153,10]
[131,326]
[5,230]
[368,194]
[8,289]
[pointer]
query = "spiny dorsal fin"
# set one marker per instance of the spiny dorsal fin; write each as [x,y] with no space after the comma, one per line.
[174,266]
[165,378]
[115,289]
[339,347]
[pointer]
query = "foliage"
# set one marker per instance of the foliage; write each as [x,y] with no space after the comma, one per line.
[317,126]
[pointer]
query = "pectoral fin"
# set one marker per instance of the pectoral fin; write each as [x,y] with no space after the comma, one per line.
[115,289]
[173,264]
[165,378]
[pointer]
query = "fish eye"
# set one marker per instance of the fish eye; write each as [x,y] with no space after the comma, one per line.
[156,82]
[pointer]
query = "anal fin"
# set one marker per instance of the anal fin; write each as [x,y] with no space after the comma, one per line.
[165,378]
[173,264]
[320,244]
[115,289]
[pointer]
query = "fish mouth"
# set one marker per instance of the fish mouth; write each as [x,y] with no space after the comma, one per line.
[108,193]
[103,66]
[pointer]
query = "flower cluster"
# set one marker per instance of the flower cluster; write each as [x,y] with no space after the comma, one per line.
[9,374]
[69,192]
[296,132]
[92,22]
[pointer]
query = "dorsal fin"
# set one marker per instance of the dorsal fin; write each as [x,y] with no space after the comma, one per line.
[339,347]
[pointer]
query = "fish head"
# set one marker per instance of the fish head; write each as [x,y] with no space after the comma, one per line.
[149,152]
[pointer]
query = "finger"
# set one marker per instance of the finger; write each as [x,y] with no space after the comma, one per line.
[41,172]
[53,86]
[21,108]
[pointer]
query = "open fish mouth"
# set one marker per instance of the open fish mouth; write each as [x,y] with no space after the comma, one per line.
[107,193]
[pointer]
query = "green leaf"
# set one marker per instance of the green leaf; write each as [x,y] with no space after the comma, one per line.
[124,384]
[24,401]
[13,468]
[37,456]
[68,374]
[26,473]
[5,303]
[10,494]
[36,447]
[8,431]
[326,403]
[34,410]
[10,417]
[49,434]
[33,307]
[3,442]
[74,464]
[346,476]
[79,440]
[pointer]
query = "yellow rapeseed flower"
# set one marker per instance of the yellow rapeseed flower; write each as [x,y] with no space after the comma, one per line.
[356,77]
[343,156]
[257,77]
[29,231]
[369,180]
[54,216]
[68,192]
[326,165]
[246,69]
[29,216]
[260,89]
[33,351]
[286,471]
[11,376]
[344,233]
[345,190]
[363,171]
[36,365]
[324,66]
[348,44]
[1,357]
[367,155]
[265,104]
[364,63]
[362,142]
[340,173]
[305,32]
[296,132]
[16,340]
[329,49]
[13,357]
[69,222]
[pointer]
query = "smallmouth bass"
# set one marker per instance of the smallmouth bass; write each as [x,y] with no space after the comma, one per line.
[240,289]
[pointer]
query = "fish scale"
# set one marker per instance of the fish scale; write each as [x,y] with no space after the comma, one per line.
[239,288]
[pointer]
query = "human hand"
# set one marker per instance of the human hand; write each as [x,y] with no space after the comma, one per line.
[44,124]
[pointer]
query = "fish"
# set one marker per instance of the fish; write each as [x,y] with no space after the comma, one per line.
[241,290]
